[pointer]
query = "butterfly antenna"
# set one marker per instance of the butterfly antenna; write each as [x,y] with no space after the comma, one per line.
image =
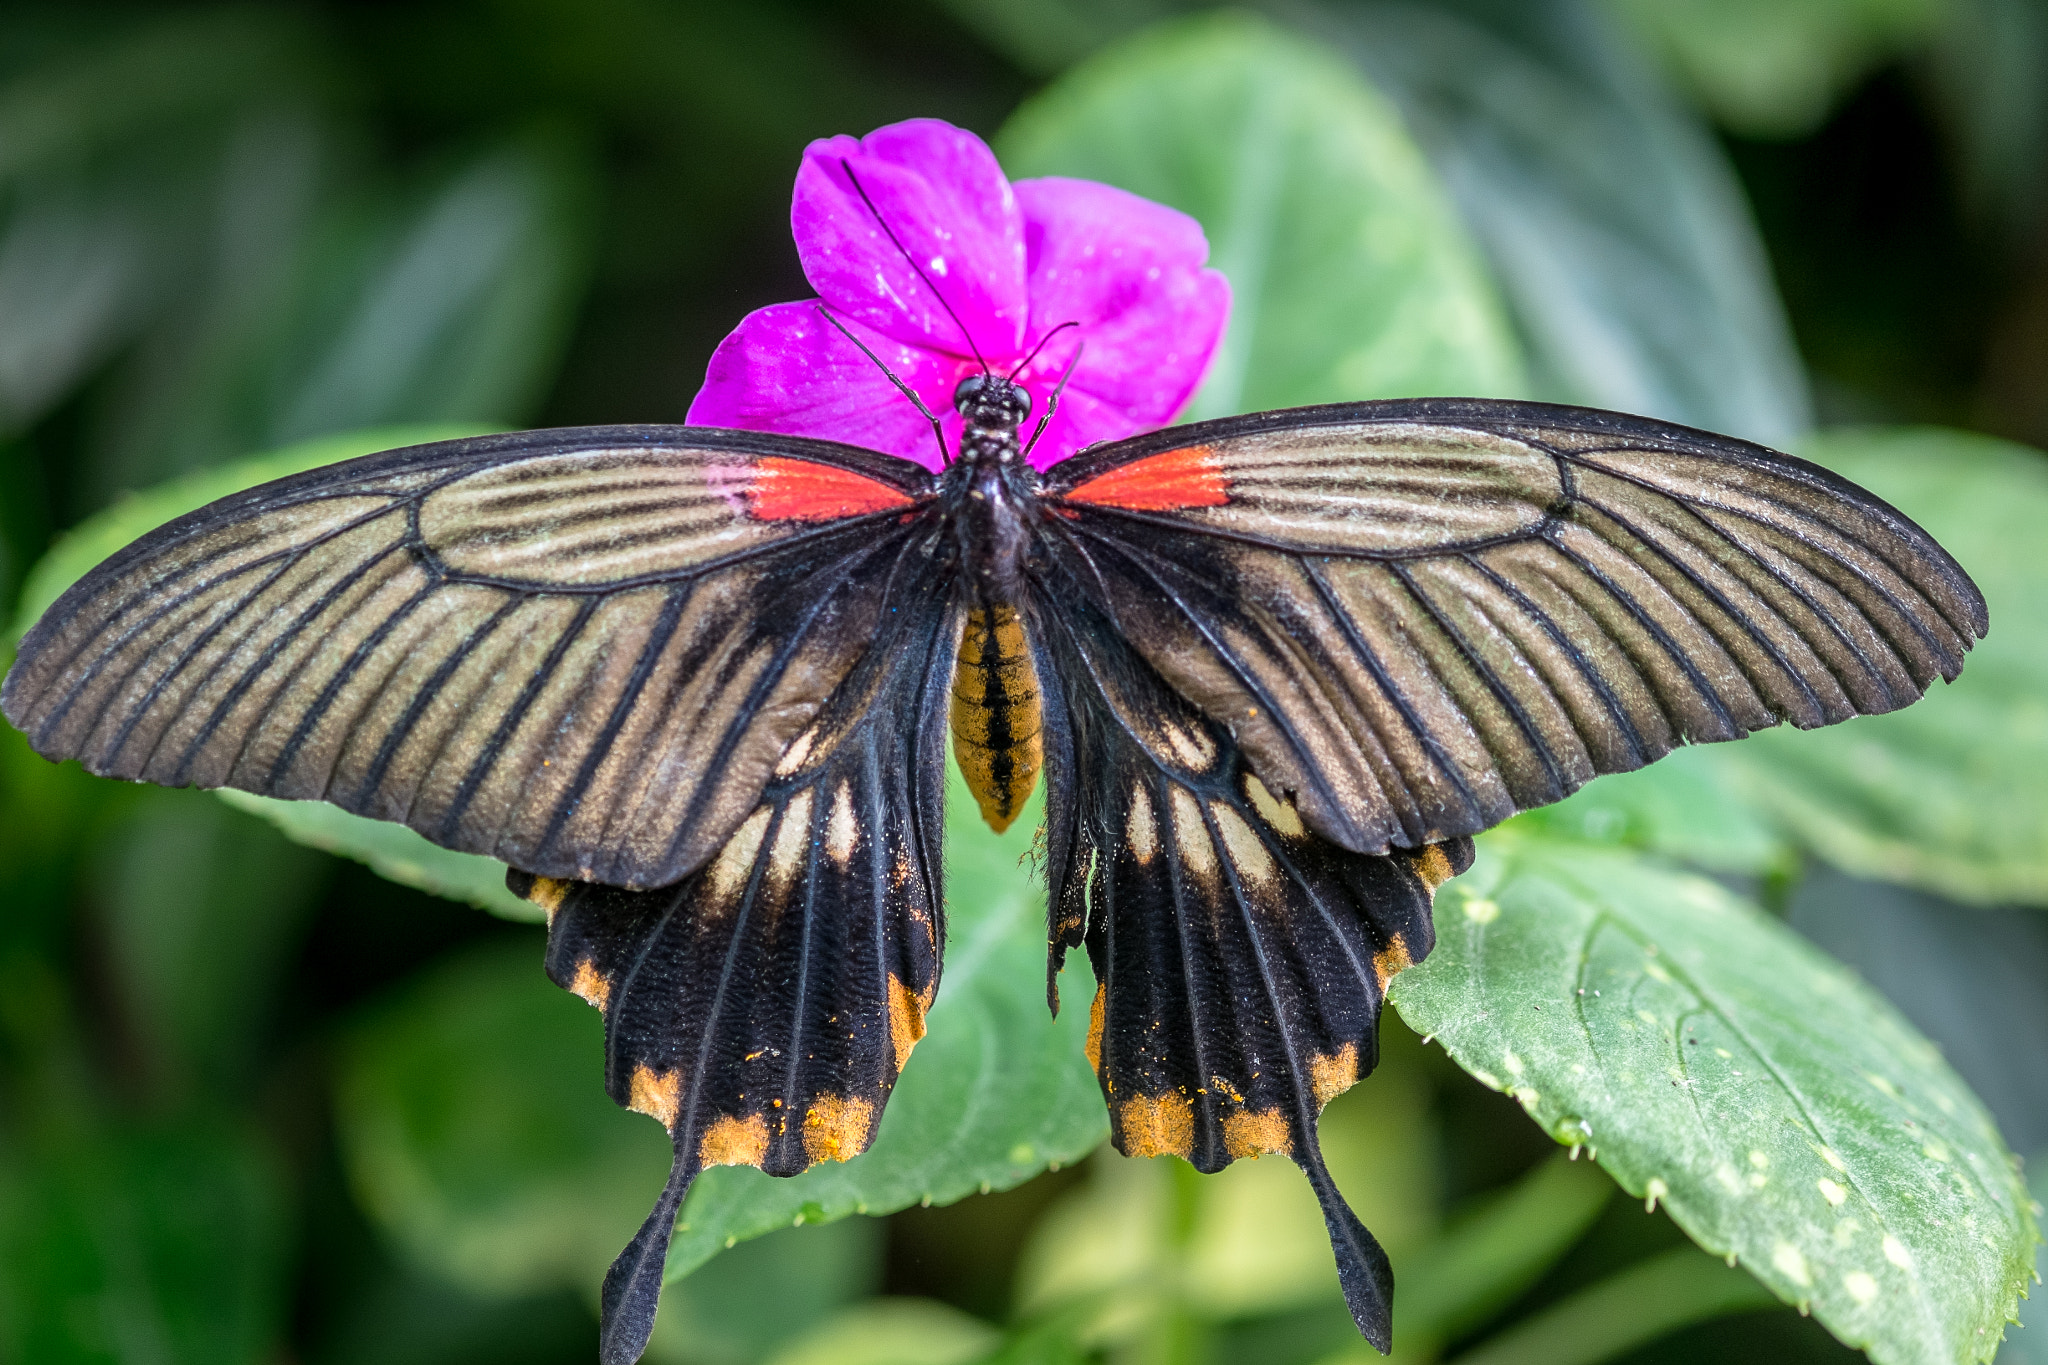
[1039,347]
[1052,402]
[890,232]
[938,432]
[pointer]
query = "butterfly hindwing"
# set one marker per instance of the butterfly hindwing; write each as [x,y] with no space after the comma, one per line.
[1242,959]
[762,1008]
[1419,618]
[578,652]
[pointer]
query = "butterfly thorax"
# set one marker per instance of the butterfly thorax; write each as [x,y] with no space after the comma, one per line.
[991,497]
[990,492]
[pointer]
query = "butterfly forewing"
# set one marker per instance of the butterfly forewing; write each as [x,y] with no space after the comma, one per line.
[579,652]
[1418,618]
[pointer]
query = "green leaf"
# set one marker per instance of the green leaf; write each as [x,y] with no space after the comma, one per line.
[1617,228]
[1498,1252]
[393,851]
[201,910]
[1969,977]
[166,1246]
[1950,794]
[474,1125]
[476,1132]
[1351,277]
[2024,1347]
[1717,1064]
[447,303]
[1687,806]
[1773,68]
[1624,1311]
[1613,221]
[894,1332]
[995,1093]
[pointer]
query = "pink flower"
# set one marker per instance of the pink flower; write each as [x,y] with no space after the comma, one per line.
[1012,261]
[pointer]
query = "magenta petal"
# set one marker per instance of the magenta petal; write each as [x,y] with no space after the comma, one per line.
[1082,420]
[1131,273]
[784,368]
[941,192]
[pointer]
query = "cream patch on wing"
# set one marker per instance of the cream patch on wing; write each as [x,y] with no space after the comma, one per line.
[735,862]
[1281,815]
[1140,828]
[790,853]
[589,517]
[1197,853]
[1248,853]
[842,830]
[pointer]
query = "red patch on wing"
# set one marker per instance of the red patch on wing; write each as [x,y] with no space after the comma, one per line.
[1189,477]
[783,489]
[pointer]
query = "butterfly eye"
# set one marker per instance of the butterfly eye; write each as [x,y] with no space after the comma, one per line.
[988,400]
[969,392]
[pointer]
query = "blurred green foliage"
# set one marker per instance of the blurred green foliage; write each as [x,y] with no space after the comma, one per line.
[258,1103]
[1349,276]
[1774,67]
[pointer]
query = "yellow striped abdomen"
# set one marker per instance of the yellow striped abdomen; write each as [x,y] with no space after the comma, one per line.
[996,716]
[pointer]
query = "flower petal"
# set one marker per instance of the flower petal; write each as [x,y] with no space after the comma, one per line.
[939,189]
[1082,420]
[785,368]
[1131,273]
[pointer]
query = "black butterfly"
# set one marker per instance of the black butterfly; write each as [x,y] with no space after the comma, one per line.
[694,685]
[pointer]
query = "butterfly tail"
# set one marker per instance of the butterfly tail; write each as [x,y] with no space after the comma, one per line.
[632,1287]
[1364,1272]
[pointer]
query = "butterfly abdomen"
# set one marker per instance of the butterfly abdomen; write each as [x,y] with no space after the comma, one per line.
[996,716]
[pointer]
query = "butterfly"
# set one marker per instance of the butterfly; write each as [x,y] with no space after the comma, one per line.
[694,686]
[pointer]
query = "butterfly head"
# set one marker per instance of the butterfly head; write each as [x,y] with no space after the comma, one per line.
[992,404]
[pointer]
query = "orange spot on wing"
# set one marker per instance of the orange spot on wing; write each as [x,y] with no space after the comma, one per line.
[906,1018]
[837,1129]
[1392,959]
[1094,1044]
[734,1142]
[1162,1125]
[658,1093]
[1254,1133]
[783,489]
[1331,1074]
[1189,477]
